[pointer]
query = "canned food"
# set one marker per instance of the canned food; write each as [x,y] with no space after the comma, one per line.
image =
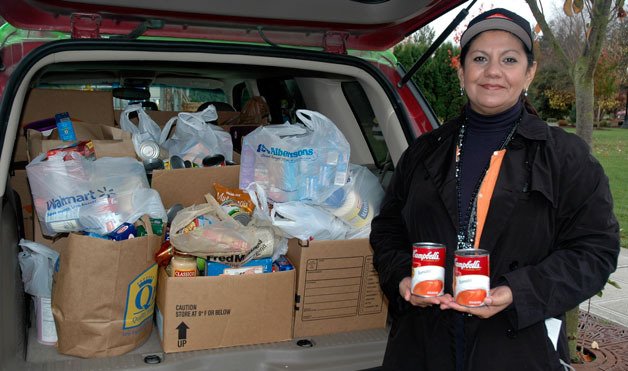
[471,277]
[428,269]
[149,149]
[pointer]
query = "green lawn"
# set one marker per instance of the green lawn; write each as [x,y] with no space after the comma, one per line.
[610,147]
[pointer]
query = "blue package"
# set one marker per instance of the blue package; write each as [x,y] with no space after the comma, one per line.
[65,128]
[123,232]
[213,268]
[283,264]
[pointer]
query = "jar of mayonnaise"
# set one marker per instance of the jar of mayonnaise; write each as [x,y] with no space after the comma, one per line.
[183,265]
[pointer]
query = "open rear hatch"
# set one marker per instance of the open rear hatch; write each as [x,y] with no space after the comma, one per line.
[335,25]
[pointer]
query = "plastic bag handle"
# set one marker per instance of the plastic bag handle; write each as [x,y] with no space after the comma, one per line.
[285,129]
[311,119]
[166,130]
[147,226]
[125,122]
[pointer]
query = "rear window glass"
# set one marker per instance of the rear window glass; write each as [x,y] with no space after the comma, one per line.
[164,98]
[362,110]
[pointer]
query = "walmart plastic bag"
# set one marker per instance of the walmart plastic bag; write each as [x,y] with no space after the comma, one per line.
[91,196]
[305,162]
[195,139]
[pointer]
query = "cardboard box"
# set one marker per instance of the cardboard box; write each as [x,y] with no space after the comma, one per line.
[214,312]
[337,287]
[19,183]
[220,311]
[90,106]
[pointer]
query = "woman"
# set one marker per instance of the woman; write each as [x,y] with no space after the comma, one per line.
[500,179]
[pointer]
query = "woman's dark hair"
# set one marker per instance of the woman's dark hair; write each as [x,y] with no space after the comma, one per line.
[529,56]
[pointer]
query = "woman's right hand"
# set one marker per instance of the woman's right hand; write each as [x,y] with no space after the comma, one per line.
[405,290]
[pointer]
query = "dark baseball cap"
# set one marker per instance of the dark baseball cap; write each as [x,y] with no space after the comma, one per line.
[499,19]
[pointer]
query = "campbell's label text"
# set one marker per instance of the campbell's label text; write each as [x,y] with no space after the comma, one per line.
[428,269]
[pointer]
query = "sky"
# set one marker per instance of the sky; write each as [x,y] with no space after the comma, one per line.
[517,6]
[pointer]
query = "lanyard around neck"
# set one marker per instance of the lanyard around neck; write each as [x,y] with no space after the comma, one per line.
[467,232]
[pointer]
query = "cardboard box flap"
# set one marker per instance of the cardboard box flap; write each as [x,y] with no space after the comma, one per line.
[189,186]
[89,106]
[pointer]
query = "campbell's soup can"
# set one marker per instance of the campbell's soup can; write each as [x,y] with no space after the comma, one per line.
[471,277]
[428,269]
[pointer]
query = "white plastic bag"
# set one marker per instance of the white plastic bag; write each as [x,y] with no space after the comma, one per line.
[307,222]
[296,162]
[358,201]
[215,236]
[195,139]
[297,219]
[146,130]
[92,196]
[37,263]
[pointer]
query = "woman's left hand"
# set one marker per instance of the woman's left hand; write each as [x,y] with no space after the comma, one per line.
[500,297]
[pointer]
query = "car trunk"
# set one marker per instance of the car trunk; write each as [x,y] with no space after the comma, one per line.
[322,80]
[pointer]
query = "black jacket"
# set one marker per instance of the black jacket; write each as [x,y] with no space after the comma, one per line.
[550,231]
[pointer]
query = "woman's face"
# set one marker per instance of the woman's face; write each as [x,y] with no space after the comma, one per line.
[495,72]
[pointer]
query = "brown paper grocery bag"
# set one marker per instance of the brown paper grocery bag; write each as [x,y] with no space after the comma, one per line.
[103,294]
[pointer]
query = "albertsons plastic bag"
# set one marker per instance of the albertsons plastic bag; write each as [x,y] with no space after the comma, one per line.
[92,196]
[305,162]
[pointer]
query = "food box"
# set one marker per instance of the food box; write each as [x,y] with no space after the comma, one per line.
[195,313]
[337,287]
[206,312]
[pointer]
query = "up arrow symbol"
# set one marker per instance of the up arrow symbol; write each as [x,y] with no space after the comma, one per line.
[183,329]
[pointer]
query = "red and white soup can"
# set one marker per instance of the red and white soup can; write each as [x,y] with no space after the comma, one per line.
[428,269]
[471,277]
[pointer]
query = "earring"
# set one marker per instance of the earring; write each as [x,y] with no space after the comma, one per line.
[525,92]
[461,90]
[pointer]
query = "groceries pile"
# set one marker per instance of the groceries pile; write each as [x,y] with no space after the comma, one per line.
[217,238]
[295,182]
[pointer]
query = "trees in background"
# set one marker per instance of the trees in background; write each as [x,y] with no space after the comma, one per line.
[578,41]
[437,78]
